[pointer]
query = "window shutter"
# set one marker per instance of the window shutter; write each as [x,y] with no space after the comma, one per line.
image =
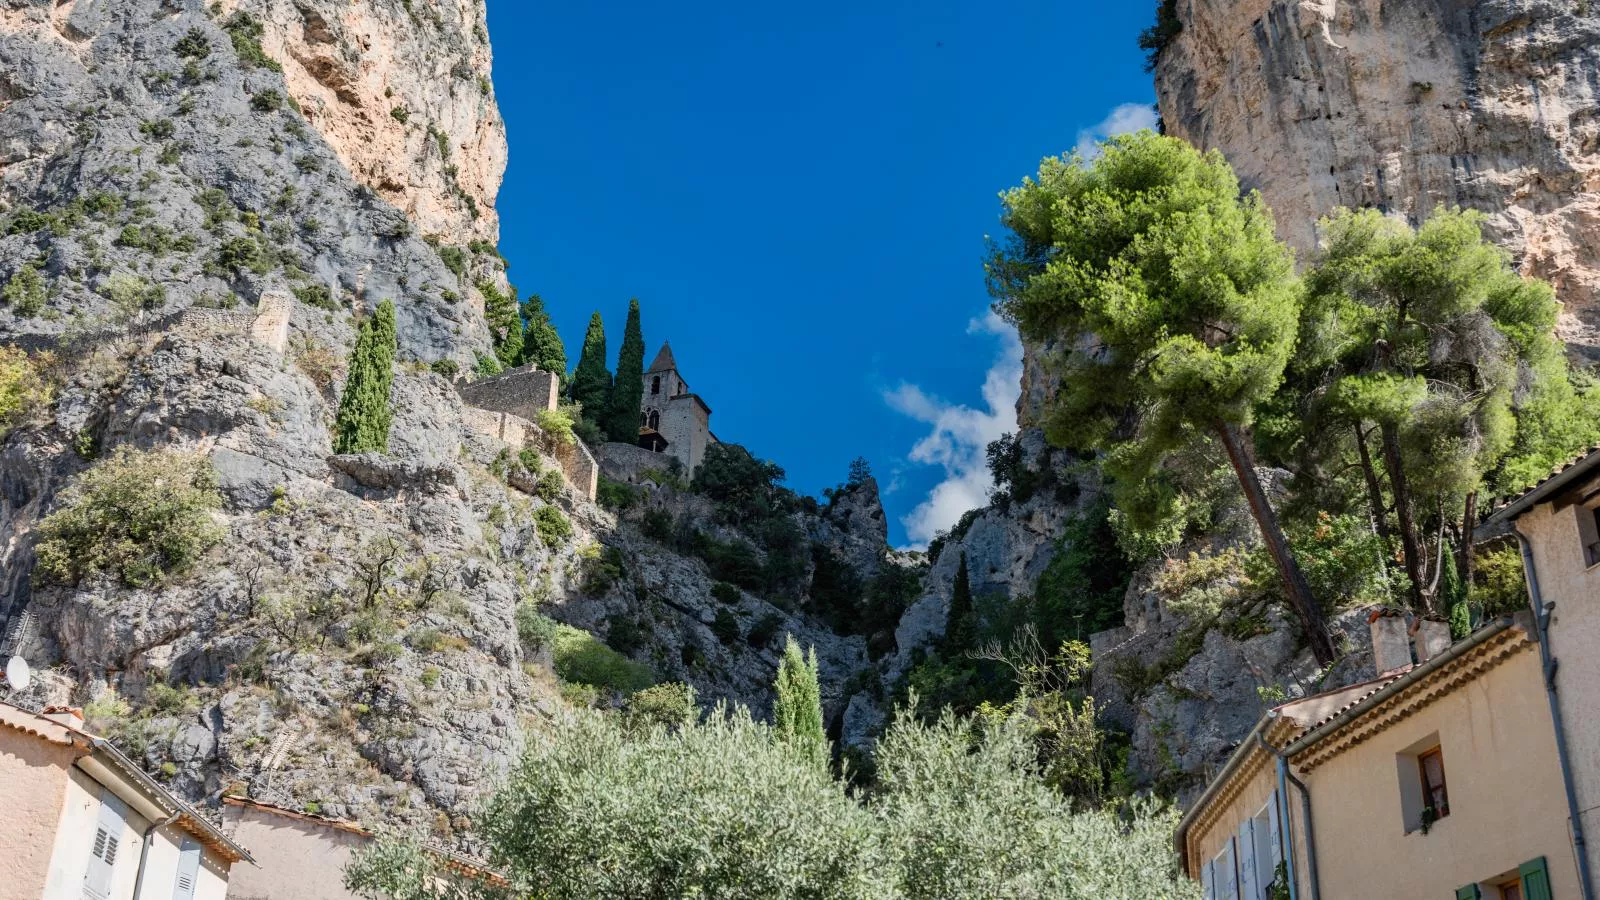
[1228,873]
[183,887]
[1470,892]
[1535,880]
[104,847]
[1208,880]
[1274,832]
[1248,888]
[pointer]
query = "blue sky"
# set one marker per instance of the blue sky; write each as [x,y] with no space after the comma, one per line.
[798,194]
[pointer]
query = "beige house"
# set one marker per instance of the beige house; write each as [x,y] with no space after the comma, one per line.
[1439,779]
[303,857]
[80,821]
[1557,526]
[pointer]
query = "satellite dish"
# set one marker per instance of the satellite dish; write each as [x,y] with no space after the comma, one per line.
[18,674]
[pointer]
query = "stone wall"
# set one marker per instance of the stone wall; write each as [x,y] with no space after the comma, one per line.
[628,463]
[577,464]
[686,424]
[524,391]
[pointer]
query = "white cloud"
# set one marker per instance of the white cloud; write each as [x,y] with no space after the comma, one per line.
[1125,119]
[959,435]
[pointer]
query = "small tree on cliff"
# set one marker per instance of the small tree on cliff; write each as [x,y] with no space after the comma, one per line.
[541,343]
[961,625]
[591,381]
[501,312]
[622,416]
[1180,307]
[364,415]
[797,712]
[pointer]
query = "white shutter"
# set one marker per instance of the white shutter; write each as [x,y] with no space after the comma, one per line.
[106,847]
[183,886]
[1249,884]
[1227,874]
[1275,840]
[1208,880]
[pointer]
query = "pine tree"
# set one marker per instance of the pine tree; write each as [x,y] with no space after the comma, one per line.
[622,418]
[504,319]
[1454,594]
[961,626]
[591,382]
[541,343]
[797,712]
[364,415]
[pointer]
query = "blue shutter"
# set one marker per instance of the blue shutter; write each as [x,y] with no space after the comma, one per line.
[1535,880]
[1208,880]
[1470,892]
[1248,888]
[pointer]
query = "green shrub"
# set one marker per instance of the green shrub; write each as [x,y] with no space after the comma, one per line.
[26,220]
[400,114]
[131,293]
[454,259]
[241,254]
[446,367]
[430,676]
[138,516]
[668,706]
[23,387]
[316,294]
[580,657]
[764,630]
[193,45]
[726,627]
[268,100]
[556,425]
[159,129]
[657,525]
[625,634]
[725,593]
[246,32]
[554,526]
[617,495]
[25,291]
[364,417]
[535,630]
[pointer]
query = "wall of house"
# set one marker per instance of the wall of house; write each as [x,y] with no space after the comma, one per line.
[1574,588]
[161,867]
[1507,804]
[1252,796]
[69,858]
[33,781]
[295,859]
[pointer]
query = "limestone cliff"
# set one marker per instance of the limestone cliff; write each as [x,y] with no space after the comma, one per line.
[1487,104]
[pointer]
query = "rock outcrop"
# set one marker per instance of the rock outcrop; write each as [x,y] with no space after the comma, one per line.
[1487,104]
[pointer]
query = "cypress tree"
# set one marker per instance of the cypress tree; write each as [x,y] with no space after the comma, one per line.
[541,344]
[505,322]
[364,415]
[622,418]
[797,712]
[960,630]
[1453,595]
[591,382]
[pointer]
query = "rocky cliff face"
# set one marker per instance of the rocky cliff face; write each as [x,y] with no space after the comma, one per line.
[352,644]
[1487,104]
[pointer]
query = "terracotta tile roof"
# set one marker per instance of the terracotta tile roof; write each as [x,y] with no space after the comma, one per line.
[1312,712]
[337,824]
[39,726]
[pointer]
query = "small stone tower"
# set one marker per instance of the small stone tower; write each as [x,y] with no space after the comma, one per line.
[672,419]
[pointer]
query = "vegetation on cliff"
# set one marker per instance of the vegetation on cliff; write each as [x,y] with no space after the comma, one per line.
[364,414]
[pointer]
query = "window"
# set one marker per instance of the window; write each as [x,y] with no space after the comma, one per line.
[1589,534]
[1529,881]
[104,848]
[655,385]
[1511,891]
[655,420]
[183,884]
[1435,797]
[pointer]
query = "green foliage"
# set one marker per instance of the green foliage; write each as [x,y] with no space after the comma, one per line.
[24,291]
[501,314]
[316,294]
[454,259]
[141,517]
[267,100]
[193,45]
[557,425]
[745,489]
[24,388]
[837,594]
[242,254]
[764,630]
[581,658]
[667,706]
[726,627]
[1080,592]
[535,630]
[591,382]
[1499,585]
[541,343]
[246,32]
[961,624]
[364,416]
[734,560]
[797,711]
[131,293]
[554,527]
[725,593]
[617,495]
[622,415]
[158,129]
[600,809]
[486,366]
[1155,39]
[400,114]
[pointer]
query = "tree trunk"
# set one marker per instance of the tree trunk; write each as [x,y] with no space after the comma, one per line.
[1242,454]
[1380,515]
[1464,560]
[1402,509]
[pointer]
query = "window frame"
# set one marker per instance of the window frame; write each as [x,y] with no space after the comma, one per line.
[1589,534]
[1439,811]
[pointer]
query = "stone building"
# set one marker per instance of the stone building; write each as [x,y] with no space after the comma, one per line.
[672,419]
